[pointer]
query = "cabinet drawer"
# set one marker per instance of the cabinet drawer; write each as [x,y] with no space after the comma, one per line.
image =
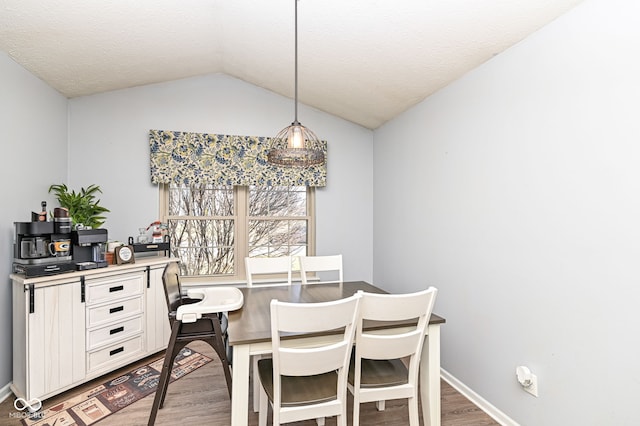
[121,286]
[115,353]
[114,332]
[111,312]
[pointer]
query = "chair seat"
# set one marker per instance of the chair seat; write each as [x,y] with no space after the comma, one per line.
[183,301]
[301,390]
[204,325]
[379,373]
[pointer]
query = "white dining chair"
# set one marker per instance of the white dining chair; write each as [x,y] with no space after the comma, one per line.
[261,266]
[310,264]
[311,382]
[385,364]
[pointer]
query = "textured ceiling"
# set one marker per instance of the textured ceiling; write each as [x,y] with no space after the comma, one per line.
[363,60]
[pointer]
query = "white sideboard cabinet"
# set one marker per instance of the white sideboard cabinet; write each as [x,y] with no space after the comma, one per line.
[74,327]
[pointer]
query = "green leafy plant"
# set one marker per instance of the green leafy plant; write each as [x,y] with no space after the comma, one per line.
[83,207]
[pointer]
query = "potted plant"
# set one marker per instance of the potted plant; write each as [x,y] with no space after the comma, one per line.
[84,210]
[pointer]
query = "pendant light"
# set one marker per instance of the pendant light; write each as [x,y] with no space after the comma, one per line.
[296,145]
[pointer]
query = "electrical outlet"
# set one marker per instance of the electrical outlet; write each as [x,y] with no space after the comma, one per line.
[527,380]
[533,387]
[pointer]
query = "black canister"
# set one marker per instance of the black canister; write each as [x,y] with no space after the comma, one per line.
[62,225]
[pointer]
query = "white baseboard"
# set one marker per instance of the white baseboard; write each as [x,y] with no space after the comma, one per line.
[482,403]
[5,392]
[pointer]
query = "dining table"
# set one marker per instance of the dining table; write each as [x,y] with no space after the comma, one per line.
[249,332]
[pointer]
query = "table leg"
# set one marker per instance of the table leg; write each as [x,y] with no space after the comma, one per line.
[430,377]
[256,383]
[240,388]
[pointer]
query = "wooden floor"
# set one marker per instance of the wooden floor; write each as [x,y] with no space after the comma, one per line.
[201,398]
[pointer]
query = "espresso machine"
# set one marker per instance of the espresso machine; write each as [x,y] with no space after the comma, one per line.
[41,248]
[89,248]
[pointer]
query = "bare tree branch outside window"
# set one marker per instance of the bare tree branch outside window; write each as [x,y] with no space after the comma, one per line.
[202,226]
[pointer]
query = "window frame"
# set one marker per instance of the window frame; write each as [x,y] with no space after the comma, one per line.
[241,240]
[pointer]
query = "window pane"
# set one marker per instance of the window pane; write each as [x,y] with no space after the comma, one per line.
[265,237]
[276,237]
[259,231]
[205,260]
[202,225]
[200,232]
[259,251]
[204,246]
[279,234]
[201,201]
[277,201]
[258,202]
[298,202]
[297,232]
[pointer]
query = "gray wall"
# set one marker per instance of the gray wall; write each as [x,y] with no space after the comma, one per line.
[33,118]
[516,191]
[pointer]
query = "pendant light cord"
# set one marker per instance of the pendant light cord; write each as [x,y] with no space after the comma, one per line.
[295,145]
[296,64]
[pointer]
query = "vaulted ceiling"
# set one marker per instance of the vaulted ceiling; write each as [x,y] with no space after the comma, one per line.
[363,60]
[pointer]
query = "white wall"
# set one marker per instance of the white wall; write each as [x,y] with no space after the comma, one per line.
[109,146]
[33,118]
[523,189]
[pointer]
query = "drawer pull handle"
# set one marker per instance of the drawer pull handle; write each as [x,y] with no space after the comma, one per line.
[117,309]
[116,288]
[116,330]
[116,351]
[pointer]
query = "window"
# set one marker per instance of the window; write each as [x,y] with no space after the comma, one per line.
[213,228]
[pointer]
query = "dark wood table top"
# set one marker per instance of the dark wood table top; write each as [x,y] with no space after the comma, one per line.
[252,322]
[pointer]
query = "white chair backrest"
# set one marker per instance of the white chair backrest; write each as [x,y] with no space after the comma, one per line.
[267,265]
[303,318]
[394,307]
[380,352]
[321,264]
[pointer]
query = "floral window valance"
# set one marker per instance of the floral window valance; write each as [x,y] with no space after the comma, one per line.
[201,158]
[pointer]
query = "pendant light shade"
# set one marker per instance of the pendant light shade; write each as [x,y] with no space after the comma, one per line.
[296,145]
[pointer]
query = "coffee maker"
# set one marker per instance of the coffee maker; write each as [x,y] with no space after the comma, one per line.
[89,248]
[40,248]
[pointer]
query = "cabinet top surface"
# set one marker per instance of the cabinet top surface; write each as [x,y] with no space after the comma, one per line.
[140,264]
